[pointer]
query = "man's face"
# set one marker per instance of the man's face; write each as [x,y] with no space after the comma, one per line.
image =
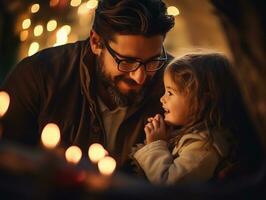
[127,87]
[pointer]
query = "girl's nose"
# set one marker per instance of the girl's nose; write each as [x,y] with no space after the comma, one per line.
[162,99]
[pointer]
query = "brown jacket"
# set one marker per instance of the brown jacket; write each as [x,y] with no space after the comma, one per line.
[57,85]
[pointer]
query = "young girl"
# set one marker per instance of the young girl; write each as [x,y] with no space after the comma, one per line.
[200,114]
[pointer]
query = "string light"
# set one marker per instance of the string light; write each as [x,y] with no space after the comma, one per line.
[34,47]
[172,10]
[54,3]
[26,23]
[75,3]
[61,37]
[66,29]
[91,4]
[35,8]
[83,9]
[51,25]
[38,30]
[24,35]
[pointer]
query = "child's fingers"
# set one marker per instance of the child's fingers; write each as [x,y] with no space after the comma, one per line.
[157,117]
[155,123]
[161,121]
[147,130]
[150,119]
[150,126]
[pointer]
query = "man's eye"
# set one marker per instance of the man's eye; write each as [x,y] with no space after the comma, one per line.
[169,93]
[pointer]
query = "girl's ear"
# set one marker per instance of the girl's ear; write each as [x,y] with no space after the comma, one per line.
[96,43]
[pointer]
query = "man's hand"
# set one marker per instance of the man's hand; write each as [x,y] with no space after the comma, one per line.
[155,129]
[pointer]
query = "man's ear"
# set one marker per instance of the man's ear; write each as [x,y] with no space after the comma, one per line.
[96,43]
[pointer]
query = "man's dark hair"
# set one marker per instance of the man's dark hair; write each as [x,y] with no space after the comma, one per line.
[132,17]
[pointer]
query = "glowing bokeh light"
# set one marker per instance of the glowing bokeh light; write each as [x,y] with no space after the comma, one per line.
[75,3]
[61,37]
[54,3]
[34,47]
[38,30]
[35,8]
[4,102]
[96,152]
[107,165]
[172,10]
[73,154]
[50,135]
[24,35]
[66,29]
[26,23]
[92,4]
[51,25]
[83,9]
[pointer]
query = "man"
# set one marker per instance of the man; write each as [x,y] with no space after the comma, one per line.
[99,90]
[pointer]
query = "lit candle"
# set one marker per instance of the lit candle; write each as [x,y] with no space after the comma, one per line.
[4,102]
[96,152]
[50,135]
[73,154]
[107,165]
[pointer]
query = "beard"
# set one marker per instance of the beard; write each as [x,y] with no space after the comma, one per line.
[118,98]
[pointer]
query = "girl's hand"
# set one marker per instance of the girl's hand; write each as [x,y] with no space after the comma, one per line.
[155,129]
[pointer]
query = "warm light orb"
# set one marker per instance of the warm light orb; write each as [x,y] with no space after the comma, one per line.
[83,10]
[91,4]
[66,29]
[38,30]
[50,135]
[34,47]
[54,3]
[96,152]
[26,23]
[51,25]
[75,3]
[35,8]
[61,37]
[107,165]
[4,102]
[24,35]
[73,154]
[172,10]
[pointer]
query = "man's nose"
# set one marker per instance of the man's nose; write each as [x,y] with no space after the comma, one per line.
[139,75]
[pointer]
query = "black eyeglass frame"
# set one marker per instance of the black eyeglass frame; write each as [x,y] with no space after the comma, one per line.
[114,54]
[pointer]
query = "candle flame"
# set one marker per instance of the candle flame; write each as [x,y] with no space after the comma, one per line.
[4,102]
[50,135]
[107,165]
[96,152]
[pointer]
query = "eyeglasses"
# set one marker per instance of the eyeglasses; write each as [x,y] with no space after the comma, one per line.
[130,65]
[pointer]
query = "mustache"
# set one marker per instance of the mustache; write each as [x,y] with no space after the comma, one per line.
[129,81]
[126,80]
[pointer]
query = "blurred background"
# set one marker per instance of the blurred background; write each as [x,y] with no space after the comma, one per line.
[233,27]
[28,26]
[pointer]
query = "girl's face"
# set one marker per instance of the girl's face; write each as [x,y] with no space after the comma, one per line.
[174,103]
